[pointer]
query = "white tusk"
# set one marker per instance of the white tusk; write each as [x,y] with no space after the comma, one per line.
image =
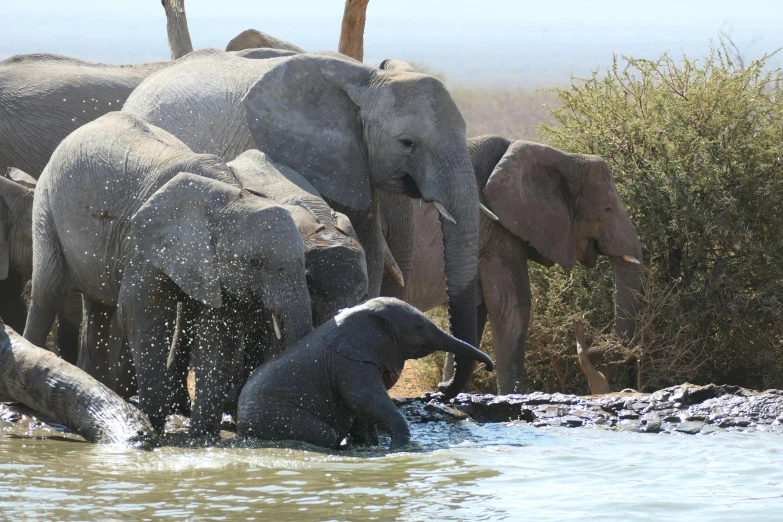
[391,264]
[488,212]
[444,212]
[277,327]
[630,259]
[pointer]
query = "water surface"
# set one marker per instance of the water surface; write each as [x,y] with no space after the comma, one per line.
[492,472]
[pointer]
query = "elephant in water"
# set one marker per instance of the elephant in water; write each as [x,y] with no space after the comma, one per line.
[316,390]
[347,128]
[63,393]
[126,214]
[544,205]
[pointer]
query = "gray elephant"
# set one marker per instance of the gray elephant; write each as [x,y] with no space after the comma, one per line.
[544,205]
[252,39]
[16,262]
[44,98]
[334,260]
[65,394]
[315,391]
[348,129]
[130,217]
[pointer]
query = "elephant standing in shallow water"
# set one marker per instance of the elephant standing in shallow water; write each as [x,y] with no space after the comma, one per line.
[130,217]
[347,128]
[550,207]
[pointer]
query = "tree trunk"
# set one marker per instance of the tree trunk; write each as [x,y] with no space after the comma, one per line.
[352,33]
[177,28]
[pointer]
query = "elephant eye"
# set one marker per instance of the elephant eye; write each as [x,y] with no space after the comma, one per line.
[608,209]
[408,144]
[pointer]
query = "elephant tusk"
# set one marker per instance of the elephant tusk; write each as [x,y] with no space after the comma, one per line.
[277,327]
[488,212]
[444,212]
[630,259]
[391,264]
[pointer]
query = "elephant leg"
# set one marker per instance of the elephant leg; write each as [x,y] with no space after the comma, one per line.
[94,356]
[126,372]
[298,425]
[50,287]
[366,396]
[363,432]
[13,309]
[367,224]
[481,323]
[179,359]
[506,290]
[69,321]
[217,345]
[147,312]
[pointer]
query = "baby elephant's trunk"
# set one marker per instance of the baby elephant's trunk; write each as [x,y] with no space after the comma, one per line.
[46,383]
[448,343]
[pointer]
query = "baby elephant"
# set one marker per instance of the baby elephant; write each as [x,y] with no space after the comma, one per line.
[334,375]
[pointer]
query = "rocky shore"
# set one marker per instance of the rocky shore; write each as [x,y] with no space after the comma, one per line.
[687,409]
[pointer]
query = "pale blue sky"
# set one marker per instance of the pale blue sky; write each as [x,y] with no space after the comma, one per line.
[478,42]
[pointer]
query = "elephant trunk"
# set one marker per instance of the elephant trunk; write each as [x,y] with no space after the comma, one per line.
[462,350]
[44,382]
[291,312]
[459,222]
[627,286]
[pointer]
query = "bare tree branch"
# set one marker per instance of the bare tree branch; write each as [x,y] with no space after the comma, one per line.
[177,28]
[352,32]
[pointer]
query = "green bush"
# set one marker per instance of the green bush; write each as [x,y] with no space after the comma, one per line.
[696,150]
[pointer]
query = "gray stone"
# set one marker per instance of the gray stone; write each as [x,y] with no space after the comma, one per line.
[571,421]
[689,427]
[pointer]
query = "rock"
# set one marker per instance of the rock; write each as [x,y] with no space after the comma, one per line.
[627,414]
[651,425]
[671,418]
[571,421]
[689,427]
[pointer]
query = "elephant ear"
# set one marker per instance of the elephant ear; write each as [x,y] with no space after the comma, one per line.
[174,231]
[22,178]
[370,343]
[528,192]
[299,112]
[11,192]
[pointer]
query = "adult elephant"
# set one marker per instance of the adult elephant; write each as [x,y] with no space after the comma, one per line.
[43,98]
[550,207]
[130,217]
[349,129]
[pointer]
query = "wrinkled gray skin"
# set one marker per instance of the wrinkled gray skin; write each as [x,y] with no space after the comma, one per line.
[334,259]
[16,262]
[64,394]
[43,98]
[348,129]
[554,207]
[317,389]
[252,39]
[126,214]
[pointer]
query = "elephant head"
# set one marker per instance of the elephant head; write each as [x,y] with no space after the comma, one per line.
[16,223]
[216,241]
[334,258]
[344,126]
[566,207]
[386,332]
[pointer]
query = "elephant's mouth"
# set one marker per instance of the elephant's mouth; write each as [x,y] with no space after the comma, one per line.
[592,251]
[403,185]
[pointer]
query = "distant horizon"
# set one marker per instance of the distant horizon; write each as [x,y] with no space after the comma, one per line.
[529,48]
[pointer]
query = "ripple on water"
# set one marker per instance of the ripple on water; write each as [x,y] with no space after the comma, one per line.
[461,471]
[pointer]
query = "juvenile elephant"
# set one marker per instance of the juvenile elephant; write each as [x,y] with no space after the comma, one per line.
[549,206]
[317,388]
[130,217]
[334,260]
[348,129]
[16,263]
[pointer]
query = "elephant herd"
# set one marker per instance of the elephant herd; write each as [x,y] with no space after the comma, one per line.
[235,211]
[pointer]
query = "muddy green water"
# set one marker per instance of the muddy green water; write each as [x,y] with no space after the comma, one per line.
[462,472]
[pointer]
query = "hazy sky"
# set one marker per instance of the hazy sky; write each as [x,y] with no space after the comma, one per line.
[477,42]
